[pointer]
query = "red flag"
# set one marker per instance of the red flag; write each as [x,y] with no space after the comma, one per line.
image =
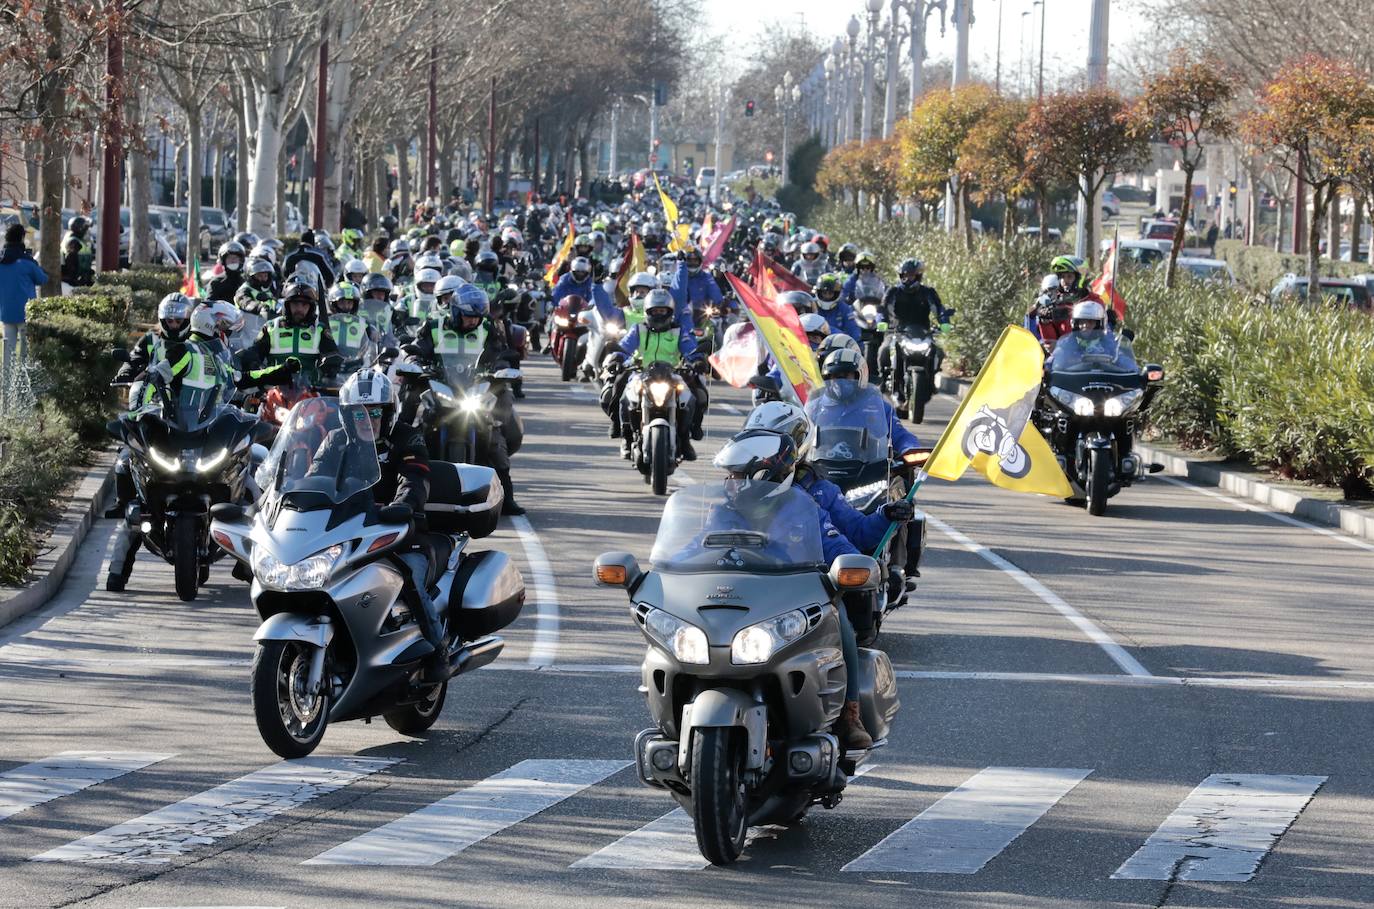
[715,244]
[779,278]
[1105,284]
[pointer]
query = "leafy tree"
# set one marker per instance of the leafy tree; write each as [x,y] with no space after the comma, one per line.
[1307,116]
[994,155]
[1186,105]
[930,140]
[1083,137]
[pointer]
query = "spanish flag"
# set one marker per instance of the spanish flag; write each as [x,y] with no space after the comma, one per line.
[992,429]
[771,277]
[779,330]
[551,273]
[634,262]
[1105,285]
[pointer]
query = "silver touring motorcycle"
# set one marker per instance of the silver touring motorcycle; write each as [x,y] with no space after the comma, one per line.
[338,640]
[744,673]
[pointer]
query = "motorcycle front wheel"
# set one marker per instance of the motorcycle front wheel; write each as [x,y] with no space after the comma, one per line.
[290,720]
[1099,478]
[186,555]
[719,810]
[660,456]
[569,363]
[916,396]
[415,719]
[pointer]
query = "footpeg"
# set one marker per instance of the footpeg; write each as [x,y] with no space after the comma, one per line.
[1156,468]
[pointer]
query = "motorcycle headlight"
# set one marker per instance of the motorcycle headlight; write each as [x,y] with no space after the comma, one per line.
[308,574]
[561,321]
[915,345]
[1080,405]
[471,404]
[757,643]
[863,492]
[659,392]
[687,642]
[1122,403]
[210,463]
[171,465]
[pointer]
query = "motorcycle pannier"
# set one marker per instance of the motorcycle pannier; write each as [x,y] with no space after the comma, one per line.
[463,498]
[488,593]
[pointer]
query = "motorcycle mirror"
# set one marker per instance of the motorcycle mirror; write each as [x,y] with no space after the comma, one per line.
[1154,372]
[119,355]
[387,353]
[854,572]
[616,569]
[399,513]
[765,384]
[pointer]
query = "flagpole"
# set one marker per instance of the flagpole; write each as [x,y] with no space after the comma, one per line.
[892,527]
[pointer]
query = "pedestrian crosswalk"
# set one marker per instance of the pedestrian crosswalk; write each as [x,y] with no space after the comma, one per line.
[1221,831]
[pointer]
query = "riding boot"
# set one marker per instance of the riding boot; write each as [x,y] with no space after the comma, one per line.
[124,490]
[431,624]
[509,507]
[518,388]
[850,728]
[685,448]
[122,558]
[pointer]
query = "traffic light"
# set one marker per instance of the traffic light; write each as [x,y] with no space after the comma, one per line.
[1233,187]
[749,108]
[660,93]
[656,143]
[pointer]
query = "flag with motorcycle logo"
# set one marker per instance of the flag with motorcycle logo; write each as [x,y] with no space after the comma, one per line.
[992,429]
[632,265]
[780,332]
[551,273]
[678,234]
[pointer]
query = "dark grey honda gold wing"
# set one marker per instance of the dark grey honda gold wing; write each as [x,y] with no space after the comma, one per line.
[338,640]
[744,673]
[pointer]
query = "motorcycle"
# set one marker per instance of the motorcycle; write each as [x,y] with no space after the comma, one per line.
[1053,320]
[853,450]
[1096,399]
[603,337]
[745,689]
[872,328]
[918,357]
[338,641]
[379,314]
[459,414]
[188,451]
[655,396]
[567,329]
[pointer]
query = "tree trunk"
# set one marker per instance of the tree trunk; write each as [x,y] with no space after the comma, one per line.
[383,190]
[140,192]
[1042,204]
[1356,227]
[270,101]
[52,109]
[1333,234]
[178,184]
[966,213]
[196,164]
[1320,196]
[279,187]
[241,167]
[1252,211]
[403,179]
[1088,193]
[217,177]
[1181,227]
[33,153]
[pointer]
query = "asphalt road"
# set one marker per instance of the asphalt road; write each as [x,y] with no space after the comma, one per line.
[1165,706]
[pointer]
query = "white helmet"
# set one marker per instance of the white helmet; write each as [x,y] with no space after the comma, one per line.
[643,279]
[355,267]
[461,268]
[446,285]
[785,419]
[426,276]
[429,260]
[369,388]
[1088,311]
[228,317]
[814,323]
[203,323]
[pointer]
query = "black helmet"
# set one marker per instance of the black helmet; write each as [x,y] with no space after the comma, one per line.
[658,310]
[487,261]
[799,300]
[300,290]
[911,267]
[848,253]
[376,281]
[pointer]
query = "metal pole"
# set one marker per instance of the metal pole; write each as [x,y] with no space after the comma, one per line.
[918,12]
[851,95]
[113,158]
[785,105]
[431,172]
[653,129]
[721,96]
[321,134]
[894,45]
[539,184]
[961,22]
[1097,77]
[615,134]
[866,116]
[997,81]
[491,148]
[1040,77]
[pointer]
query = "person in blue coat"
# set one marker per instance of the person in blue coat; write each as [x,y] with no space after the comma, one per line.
[838,314]
[579,281]
[701,289]
[843,373]
[674,278]
[20,278]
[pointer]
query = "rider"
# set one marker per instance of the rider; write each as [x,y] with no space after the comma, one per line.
[350,244]
[348,328]
[1069,288]
[580,281]
[465,328]
[659,340]
[255,295]
[843,372]
[838,313]
[694,289]
[307,251]
[371,396]
[78,253]
[224,285]
[810,266]
[846,257]
[864,285]
[908,306]
[770,456]
[296,333]
[417,305]
[1091,330]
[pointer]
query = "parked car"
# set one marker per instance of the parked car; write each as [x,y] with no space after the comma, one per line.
[214,230]
[1111,205]
[1208,271]
[1128,193]
[1158,230]
[706,178]
[1053,234]
[1354,292]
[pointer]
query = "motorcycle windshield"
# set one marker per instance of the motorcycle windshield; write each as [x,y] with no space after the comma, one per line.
[193,407]
[1093,351]
[851,424]
[354,345]
[323,448]
[248,333]
[460,369]
[738,525]
[377,313]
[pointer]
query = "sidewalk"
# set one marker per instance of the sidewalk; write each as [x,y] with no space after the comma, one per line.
[1318,505]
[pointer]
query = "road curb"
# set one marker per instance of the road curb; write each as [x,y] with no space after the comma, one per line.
[1354,521]
[50,569]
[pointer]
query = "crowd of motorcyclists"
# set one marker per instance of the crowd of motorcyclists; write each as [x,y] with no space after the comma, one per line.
[423,330]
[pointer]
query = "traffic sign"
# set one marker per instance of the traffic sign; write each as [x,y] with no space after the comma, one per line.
[653,159]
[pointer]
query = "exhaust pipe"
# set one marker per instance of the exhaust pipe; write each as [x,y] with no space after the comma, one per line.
[475,655]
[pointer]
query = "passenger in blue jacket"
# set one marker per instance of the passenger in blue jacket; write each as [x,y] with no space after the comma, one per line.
[579,281]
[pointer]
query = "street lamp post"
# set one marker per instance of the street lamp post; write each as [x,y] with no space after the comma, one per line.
[780,96]
[1040,77]
[866,118]
[894,46]
[836,92]
[851,77]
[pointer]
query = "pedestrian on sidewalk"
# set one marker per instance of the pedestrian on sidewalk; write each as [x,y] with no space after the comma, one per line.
[20,278]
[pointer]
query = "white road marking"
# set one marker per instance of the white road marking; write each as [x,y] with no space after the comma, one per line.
[545,647]
[446,827]
[1276,515]
[967,828]
[730,409]
[62,774]
[158,837]
[1129,664]
[1142,681]
[668,843]
[1223,829]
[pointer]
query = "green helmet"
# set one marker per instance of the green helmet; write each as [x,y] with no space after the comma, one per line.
[829,286]
[1062,265]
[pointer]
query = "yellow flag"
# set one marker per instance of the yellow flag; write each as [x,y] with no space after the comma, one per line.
[992,429]
[551,272]
[677,233]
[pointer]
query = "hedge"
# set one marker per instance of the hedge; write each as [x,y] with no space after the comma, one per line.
[155,279]
[1289,386]
[1260,268]
[74,370]
[38,457]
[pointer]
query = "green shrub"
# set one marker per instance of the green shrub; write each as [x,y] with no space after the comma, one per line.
[155,279]
[108,304]
[1260,268]
[38,454]
[74,369]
